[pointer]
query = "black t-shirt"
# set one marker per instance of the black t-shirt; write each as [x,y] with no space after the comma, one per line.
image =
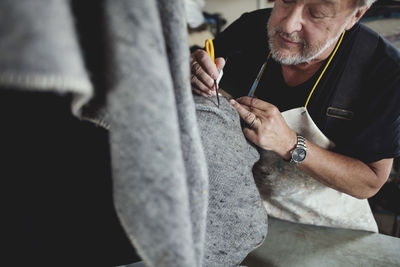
[273,88]
[356,103]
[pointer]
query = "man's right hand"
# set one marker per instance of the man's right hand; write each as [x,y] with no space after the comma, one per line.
[204,72]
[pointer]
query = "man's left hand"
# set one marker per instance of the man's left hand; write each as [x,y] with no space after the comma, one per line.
[267,127]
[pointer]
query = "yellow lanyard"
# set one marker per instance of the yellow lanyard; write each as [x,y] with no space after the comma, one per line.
[257,80]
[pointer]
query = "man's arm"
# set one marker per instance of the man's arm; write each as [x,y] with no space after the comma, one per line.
[346,174]
[349,175]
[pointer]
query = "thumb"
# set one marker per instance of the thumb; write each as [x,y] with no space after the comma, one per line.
[220,62]
[251,135]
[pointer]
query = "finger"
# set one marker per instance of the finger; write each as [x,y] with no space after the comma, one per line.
[206,63]
[255,103]
[199,92]
[220,62]
[199,85]
[258,112]
[247,108]
[202,78]
[246,115]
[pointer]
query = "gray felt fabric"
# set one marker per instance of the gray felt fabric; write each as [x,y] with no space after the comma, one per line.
[160,175]
[160,191]
[158,195]
[40,51]
[237,220]
[175,34]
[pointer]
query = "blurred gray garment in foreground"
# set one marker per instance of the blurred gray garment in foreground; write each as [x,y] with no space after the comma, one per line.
[39,50]
[139,88]
[237,219]
[159,171]
[194,12]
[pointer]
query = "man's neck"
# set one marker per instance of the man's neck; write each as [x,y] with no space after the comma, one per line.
[299,73]
[315,63]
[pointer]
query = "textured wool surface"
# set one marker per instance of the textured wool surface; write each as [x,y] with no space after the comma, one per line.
[160,197]
[175,34]
[237,220]
[159,171]
[40,50]
[131,59]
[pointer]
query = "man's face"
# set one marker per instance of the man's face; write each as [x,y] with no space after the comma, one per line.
[302,30]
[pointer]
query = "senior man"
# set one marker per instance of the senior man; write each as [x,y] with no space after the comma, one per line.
[320,94]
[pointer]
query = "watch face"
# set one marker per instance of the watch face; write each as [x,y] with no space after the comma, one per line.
[299,154]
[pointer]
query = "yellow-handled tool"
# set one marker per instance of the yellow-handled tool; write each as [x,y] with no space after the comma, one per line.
[211,52]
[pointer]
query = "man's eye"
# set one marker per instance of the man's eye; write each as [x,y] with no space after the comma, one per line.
[289,1]
[316,14]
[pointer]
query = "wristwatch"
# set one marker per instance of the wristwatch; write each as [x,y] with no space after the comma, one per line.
[298,154]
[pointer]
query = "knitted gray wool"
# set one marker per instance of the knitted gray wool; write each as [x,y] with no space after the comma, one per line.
[237,220]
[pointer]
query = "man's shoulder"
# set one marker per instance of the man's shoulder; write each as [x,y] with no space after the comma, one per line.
[377,60]
[257,16]
[384,50]
[249,32]
[261,12]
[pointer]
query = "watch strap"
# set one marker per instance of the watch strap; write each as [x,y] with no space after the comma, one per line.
[301,144]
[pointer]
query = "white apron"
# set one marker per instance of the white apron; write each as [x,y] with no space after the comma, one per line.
[290,194]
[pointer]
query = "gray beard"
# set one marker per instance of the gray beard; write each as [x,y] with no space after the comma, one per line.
[299,58]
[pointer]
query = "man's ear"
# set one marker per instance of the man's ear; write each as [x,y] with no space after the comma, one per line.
[355,17]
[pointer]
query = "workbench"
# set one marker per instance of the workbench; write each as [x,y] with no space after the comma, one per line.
[292,244]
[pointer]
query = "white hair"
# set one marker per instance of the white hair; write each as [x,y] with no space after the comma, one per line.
[363,3]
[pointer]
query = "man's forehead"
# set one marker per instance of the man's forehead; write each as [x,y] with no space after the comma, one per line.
[336,3]
[328,2]
[331,1]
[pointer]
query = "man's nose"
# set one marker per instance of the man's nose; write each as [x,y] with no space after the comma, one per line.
[293,22]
